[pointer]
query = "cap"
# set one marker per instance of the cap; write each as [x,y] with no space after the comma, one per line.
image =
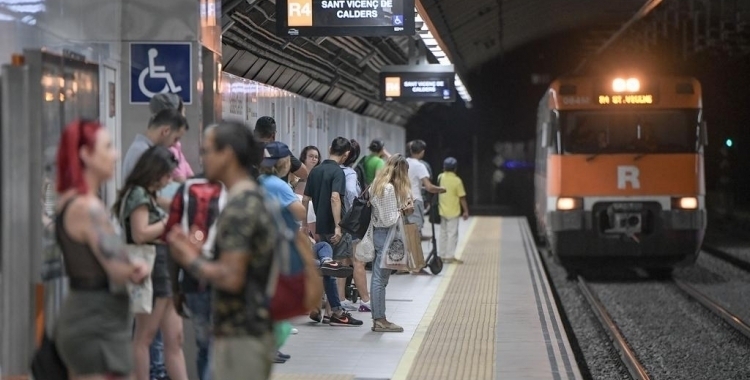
[377,145]
[273,152]
[450,163]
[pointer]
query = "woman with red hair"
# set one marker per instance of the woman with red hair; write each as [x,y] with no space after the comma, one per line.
[94,327]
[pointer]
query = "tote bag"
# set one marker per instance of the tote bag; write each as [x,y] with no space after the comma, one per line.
[141,295]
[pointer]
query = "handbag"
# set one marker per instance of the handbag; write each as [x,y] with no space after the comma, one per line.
[141,295]
[365,251]
[415,258]
[46,363]
[356,221]
[394,250]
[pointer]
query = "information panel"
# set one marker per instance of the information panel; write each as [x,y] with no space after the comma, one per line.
[423,83]
[370,18]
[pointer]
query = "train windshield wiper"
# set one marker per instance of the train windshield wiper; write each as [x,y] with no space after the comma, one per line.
[592,157]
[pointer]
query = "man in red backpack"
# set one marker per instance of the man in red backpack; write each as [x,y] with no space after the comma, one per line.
[197,203]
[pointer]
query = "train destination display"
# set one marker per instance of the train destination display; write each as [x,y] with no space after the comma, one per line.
[345,17]
[435,84]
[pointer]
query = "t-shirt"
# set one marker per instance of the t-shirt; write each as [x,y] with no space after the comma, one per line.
[372,163]
[245,226]
[310,210]
[324,180]
[279,190]
[449,203]
[140,145]
[417,172]
[138,197]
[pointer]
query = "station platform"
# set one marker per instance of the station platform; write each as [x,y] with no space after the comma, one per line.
[493,317]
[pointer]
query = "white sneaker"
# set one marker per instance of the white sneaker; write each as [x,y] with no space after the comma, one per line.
[295,331]
[349,306]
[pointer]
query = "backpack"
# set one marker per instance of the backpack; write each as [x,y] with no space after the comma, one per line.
[360,170]
[294,285]
[202,202]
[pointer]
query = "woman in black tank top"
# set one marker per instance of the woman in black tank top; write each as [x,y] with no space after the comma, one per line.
[92,332]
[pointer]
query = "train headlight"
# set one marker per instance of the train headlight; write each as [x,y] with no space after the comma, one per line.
[619,85]
[626,85]
[685,203]
[567,203]
[633,85]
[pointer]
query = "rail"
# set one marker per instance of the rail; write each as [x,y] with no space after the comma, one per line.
[732,319]
[635,368]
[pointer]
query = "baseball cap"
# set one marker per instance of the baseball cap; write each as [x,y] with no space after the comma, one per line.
[273,152]
[450,163]
[377,145]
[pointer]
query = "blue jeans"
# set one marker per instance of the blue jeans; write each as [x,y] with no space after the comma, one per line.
[380,276]
[324,250]
[199,305]
[156,353]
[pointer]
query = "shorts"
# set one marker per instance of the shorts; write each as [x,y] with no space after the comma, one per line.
[417,217]
[160,273]
[342,250]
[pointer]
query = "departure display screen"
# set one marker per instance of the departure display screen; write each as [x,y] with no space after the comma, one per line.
[435,84]
[364,18]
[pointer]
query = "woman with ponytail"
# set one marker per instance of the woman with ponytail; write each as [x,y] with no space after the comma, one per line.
[93,329]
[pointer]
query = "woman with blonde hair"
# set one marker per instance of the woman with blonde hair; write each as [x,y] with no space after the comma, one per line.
[390,197]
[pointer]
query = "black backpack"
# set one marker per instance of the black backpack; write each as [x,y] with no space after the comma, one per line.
[360,170]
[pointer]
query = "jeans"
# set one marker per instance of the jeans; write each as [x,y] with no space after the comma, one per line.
[199,305]
[380,276]
[324,250]
[156,354]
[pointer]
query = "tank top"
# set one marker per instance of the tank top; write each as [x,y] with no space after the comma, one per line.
[83,269]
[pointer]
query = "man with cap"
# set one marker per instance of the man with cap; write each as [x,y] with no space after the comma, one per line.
[375,160]
[265,131]
[276,164]
[450,204]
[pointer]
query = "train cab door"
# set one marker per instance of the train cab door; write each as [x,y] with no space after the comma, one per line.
[41,93]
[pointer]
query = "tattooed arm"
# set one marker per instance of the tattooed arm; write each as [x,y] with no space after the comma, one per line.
[92,222]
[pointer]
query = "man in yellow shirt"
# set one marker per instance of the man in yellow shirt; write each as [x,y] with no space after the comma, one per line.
[450,204]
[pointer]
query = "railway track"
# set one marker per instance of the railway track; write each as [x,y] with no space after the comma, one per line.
[627,354]
[723,255]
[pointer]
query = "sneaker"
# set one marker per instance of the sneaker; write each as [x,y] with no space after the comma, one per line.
[281,355]
[382,325]
[345,319]
[315,316]
[364,307]
[335,269]
[349,305]
[326,319]
[295,331]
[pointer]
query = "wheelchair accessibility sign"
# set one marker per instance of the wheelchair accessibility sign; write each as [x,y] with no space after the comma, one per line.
[157,68]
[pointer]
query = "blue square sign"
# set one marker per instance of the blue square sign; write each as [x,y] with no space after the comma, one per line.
[157,68]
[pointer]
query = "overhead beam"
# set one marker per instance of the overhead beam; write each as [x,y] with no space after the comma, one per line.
[639,15]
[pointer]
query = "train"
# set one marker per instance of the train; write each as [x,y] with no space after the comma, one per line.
[619,171]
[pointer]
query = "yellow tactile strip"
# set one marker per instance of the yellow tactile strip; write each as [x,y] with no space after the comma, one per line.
[289,376]
[460,342]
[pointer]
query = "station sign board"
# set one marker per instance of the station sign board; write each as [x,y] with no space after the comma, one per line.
[363,18]
[420,83]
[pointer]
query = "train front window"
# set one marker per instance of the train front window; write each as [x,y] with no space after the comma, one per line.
[663,131]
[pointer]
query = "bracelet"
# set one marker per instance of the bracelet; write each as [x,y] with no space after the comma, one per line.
[195,266]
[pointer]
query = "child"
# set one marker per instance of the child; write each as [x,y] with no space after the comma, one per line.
[450,204]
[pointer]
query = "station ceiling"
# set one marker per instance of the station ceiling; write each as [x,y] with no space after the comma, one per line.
[343,71]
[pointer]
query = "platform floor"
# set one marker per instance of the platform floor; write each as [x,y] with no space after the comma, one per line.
[493,317]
